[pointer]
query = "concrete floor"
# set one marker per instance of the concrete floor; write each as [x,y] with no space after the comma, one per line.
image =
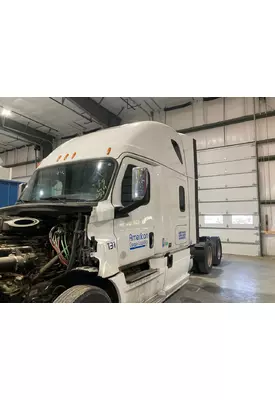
[237,280]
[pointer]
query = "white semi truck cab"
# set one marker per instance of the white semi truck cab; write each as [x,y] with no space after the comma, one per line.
[110,216]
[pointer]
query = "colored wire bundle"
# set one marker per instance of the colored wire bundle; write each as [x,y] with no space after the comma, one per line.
[58,240]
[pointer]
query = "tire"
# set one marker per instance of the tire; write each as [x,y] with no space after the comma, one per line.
[203,257]
[83,294]
[204,238]
[217,250]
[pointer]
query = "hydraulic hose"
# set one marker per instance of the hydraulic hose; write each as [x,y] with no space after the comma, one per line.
[47,266]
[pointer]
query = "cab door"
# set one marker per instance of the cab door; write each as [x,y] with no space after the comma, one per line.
[135,233]
[176,200]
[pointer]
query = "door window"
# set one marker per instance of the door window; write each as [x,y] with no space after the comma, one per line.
[182,198]
[177,150]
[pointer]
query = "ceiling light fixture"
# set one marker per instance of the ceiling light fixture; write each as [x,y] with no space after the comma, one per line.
[6,113]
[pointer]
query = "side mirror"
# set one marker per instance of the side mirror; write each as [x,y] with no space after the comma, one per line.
[21,187]
[140,180]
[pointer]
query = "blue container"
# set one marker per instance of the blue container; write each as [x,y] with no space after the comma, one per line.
[8,192]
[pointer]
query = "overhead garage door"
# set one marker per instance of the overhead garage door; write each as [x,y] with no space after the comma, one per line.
[228,197]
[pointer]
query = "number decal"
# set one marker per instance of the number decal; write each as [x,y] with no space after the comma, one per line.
[111,245]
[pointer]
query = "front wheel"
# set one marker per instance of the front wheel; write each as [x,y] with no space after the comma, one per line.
[83,294]
[203,257]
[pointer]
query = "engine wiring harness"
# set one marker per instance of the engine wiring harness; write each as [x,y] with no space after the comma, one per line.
[58,240]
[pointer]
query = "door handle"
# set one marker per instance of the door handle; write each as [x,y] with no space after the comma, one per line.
[151,240]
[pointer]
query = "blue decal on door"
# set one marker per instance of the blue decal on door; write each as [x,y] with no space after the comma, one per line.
[138,241]
[182,235]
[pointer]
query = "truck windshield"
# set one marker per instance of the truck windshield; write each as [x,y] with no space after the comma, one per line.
[86,180]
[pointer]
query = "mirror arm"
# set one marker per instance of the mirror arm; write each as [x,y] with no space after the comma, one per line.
[124,211]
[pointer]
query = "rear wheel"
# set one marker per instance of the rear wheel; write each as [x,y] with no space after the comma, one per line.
[83,294]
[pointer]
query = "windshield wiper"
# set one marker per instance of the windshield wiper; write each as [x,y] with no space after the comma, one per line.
[55,198]
[23,201]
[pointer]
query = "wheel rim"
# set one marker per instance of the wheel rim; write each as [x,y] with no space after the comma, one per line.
[209,258]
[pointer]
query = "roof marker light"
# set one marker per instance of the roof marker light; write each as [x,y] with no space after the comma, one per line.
[66,156]
[58,158]
[109,150]
[73,155]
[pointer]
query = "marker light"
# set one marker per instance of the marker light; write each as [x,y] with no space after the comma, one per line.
[73,155]
[109,150]
[66,156]
[58,158]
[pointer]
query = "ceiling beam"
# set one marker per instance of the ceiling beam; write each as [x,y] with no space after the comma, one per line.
[28,134]
[189,103]
[99,113]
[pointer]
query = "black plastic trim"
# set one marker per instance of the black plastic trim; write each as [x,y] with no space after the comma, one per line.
[124,211]
[169,260]
[151,240]
[182,198]
[177,150]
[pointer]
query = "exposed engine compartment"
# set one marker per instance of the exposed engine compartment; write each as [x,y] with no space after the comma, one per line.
[36,252]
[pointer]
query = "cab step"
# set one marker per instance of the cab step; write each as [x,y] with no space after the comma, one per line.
[139,275]
[159,298]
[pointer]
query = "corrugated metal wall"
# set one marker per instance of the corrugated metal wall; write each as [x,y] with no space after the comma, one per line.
[24,156]
[5,173]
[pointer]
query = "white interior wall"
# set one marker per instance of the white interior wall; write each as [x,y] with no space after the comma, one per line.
[23,155]
[232,134]
[5,173]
